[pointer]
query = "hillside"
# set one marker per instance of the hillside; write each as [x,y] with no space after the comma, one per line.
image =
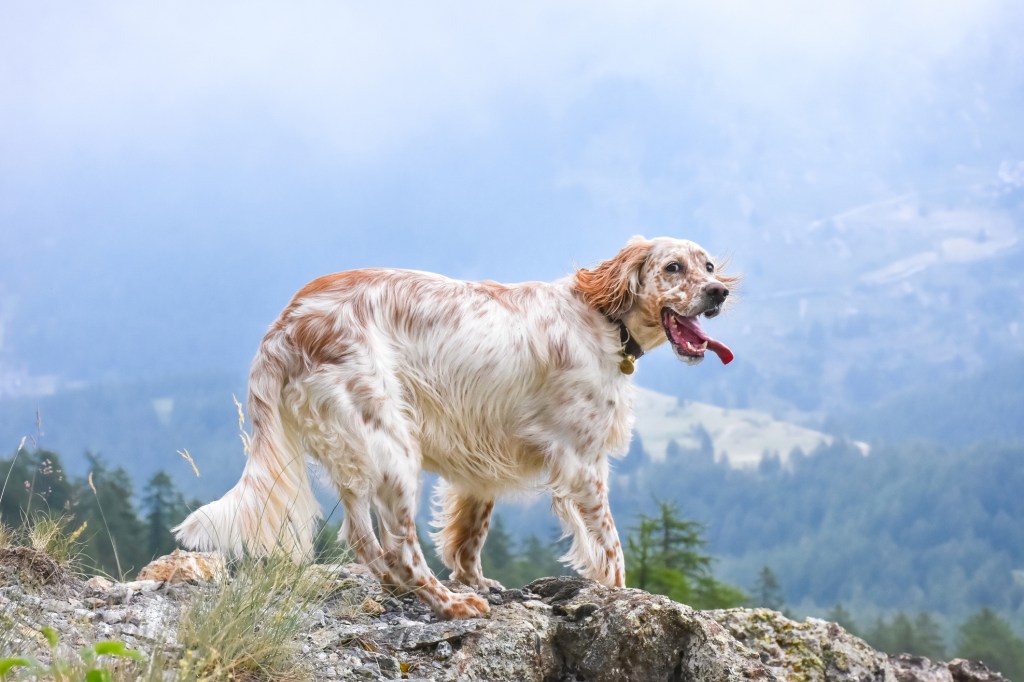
[911,528]
[738,437]
[985,407]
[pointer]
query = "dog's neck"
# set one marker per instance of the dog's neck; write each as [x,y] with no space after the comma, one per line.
[630,348]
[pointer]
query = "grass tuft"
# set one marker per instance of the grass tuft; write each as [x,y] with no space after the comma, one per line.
[246,627]
[49,535]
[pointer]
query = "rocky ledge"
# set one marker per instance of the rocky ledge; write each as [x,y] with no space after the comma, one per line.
[555,629]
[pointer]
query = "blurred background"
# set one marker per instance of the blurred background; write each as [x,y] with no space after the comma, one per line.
[171,174]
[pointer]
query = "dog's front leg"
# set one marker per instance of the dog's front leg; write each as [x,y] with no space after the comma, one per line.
[581,501]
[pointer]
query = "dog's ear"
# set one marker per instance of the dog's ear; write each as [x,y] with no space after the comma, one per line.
[612,285]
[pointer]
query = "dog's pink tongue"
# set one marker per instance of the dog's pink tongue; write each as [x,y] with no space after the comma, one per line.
[721,350]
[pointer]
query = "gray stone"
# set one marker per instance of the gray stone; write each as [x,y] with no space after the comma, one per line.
[110,617]
[443,650]
[416,635]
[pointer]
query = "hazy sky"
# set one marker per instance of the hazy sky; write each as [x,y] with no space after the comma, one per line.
[177,170]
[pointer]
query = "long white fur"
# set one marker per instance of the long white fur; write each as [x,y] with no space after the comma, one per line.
[380,374]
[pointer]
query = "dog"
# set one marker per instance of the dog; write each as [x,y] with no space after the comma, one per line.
[380,374]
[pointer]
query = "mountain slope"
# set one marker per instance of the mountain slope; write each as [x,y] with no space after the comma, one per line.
[985,407]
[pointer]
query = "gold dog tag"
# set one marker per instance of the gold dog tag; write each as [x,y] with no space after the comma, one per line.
[628,364]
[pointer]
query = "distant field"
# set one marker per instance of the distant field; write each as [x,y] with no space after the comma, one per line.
[741,436]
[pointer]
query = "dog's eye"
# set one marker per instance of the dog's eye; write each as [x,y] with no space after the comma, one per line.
[710,267]
[674,266]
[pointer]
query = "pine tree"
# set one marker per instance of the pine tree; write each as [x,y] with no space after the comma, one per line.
[35,482]
[663,555]
[640,560]
[880,636]
[538,560]
[902,636]
[920,636]
[987,637]
[839,614]
[767,591]
[710,593]
[928,640]
[680,541]
[116,541]
[164,508]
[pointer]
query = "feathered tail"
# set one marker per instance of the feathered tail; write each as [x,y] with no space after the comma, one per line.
[272,506]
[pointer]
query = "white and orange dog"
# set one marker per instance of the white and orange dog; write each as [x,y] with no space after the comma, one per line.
[380,374]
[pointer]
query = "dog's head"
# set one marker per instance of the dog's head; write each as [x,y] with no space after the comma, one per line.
[659,288]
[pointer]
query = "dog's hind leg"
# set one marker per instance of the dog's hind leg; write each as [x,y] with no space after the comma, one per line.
[357,532]
[376,456]
[396,504]
[462,522]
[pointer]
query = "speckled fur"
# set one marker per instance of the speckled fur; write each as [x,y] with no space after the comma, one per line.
[380,374]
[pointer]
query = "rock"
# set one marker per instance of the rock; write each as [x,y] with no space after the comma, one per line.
[819,650]
[972,671]
[371,607]
[812,650]
[599,634]
[555,630]
[417,635]
[32,566]
[99,583]
[111,617]
[184,567]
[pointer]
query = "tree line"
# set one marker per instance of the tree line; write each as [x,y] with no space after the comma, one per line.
[910,527]
[117,534]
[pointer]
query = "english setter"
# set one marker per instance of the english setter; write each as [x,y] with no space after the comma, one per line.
[379,374]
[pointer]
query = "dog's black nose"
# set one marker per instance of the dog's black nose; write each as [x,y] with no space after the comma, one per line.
[716,291]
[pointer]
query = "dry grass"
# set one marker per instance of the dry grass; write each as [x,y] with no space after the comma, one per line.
[42,551]
[50,535]
[246,627]
[6,534]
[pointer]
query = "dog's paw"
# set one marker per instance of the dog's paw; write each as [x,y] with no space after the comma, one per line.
[478,582]
[463,605]
[488,585]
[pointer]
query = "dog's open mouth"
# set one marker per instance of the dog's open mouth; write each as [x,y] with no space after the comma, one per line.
[688,339]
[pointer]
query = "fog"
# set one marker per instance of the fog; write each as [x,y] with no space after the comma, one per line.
[171,174]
